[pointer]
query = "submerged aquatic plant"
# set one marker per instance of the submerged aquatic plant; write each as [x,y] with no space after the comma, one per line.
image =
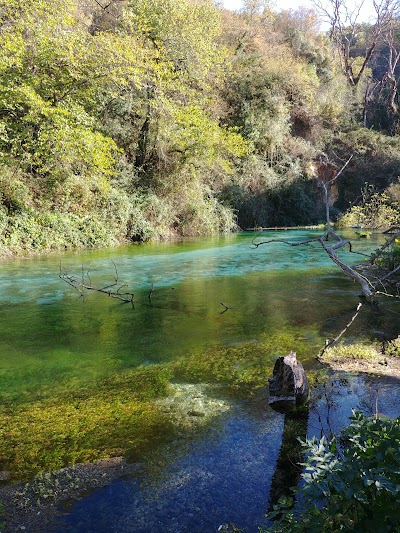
[116,415]
[122,414]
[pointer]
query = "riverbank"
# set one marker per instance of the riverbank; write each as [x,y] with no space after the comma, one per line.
[379,359]
[46,241]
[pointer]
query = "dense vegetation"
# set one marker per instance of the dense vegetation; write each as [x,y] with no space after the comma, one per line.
[128,121]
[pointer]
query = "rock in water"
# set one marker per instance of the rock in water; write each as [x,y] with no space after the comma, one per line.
[288,388]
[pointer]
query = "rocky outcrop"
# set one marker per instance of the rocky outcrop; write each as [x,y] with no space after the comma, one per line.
[288,388]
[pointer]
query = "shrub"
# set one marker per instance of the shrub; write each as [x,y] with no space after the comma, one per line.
[376,210]
[352,351]
[350,484]
[393,348]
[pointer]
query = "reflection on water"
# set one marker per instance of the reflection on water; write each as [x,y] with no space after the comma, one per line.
[279,298]
[52,340]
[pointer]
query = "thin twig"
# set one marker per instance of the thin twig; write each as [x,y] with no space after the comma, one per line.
[359,307]
[226,308]
[151,291]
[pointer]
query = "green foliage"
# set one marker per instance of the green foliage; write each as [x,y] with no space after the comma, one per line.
[375,162]
[47,230]
[389,260]
[392,349]
[350,484]
[376,210]
[101,119]
[162,118]
[285,95]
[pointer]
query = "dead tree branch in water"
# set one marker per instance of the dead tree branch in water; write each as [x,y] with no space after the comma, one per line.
[226,308]
[366,286]
[85,284]
[331,243]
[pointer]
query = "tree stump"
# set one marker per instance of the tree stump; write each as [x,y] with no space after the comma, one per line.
[288,388]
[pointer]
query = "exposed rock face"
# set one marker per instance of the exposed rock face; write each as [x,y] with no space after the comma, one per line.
[288,388]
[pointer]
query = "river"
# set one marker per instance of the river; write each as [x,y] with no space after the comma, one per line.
[204,438]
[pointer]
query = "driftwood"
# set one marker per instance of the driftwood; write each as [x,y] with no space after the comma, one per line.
[84,283]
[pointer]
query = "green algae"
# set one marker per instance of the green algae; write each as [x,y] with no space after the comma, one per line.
[243,367]
[122,414]
[118,416]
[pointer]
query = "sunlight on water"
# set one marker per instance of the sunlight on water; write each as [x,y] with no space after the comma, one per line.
[50,338]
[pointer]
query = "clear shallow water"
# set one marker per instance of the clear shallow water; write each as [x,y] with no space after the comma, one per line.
[226,476]
[52,341]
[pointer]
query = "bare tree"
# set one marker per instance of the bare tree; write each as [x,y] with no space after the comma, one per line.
[344,18]
[389,80]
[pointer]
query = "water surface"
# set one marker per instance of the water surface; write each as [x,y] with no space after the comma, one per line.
[54,342]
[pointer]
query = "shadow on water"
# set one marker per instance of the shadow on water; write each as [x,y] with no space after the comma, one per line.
[291,454]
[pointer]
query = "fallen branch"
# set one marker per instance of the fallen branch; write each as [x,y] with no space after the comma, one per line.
[368,289]
[81,285]
[390,274]
[380,250]
[289,243]
[329,343]
[391,229]
[366,286]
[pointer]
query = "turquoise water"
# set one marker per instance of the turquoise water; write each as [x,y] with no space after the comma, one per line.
[54,342]
[51,339]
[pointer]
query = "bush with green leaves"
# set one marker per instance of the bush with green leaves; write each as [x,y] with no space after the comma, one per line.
[376,210]
[392,348]
[351,483]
